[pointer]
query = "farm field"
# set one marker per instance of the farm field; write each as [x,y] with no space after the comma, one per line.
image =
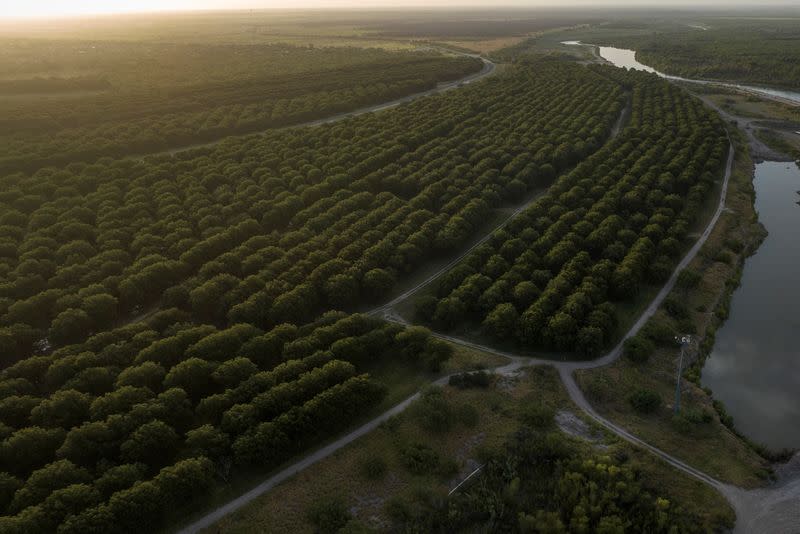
[73,101]
[562,275]
[380,270]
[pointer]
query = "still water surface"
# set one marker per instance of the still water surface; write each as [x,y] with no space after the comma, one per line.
[622,57]
[755,365]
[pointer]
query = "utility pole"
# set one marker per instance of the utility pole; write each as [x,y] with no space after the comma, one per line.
[683,341]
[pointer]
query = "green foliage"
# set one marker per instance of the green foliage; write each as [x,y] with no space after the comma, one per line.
[537,415]
[190,93]
[433,411]
[539,483]
[645,401]
[689,279]
[329,515]
[477,379]
[425,308]
[147,303]
[661,331]
[741,49]
[502,321]
[723,256]
[638,348]
[153,443]
[676,308]
[420,459]
[374,467]
[551,278]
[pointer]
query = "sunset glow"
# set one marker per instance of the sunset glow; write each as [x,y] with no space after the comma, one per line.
[15,9]
[59,8]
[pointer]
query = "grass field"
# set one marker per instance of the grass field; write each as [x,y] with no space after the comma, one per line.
[785,141]
[751,106]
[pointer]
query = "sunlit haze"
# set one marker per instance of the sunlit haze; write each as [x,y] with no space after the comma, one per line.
[56,8]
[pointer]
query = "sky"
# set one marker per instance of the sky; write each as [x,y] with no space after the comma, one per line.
[53,8]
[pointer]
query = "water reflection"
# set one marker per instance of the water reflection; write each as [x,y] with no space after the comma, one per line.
[621,57]
[755,365]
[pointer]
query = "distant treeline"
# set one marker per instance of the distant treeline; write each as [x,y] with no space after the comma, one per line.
[54,131]
[752,52]
[52,85]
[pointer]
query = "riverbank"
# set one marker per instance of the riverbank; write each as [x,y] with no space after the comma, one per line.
[750,365]
[699,435]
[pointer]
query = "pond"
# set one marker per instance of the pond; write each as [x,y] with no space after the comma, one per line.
[754,367]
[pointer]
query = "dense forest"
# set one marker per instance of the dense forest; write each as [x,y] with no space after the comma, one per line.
[745,50]
[164,320]
[554,277]
[113,99]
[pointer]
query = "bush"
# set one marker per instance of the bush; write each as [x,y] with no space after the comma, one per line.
[676,308]
[660,331]
[638,348]
[329,515]
[723,256]
[697,416]
[435,354]
[688,279]
[467,415]
[734,244]
[479,379]
[374,468]
[645,401]
[537,415]
[424,308]
[687,326]
[419,459]
[433,411]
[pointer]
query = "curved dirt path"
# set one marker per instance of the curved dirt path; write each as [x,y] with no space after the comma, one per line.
[385,309]
[212,517]
[774,508]
[758,149]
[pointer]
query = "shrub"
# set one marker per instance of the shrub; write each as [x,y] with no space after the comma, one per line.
[433,411]
[645,401]
[638,348]
[688,279]
[329,515]
[687,326]
[467,415]
[537,415]
[723,256]
[374,468]
[424,308]
[676,308]
[697,415]
[435,354]
[660,331]
[419,459]
[734,244]
[479,379]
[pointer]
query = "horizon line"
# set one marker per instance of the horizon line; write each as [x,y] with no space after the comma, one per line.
[584,5]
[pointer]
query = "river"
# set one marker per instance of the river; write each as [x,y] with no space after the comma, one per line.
[754,368]
[625,58]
